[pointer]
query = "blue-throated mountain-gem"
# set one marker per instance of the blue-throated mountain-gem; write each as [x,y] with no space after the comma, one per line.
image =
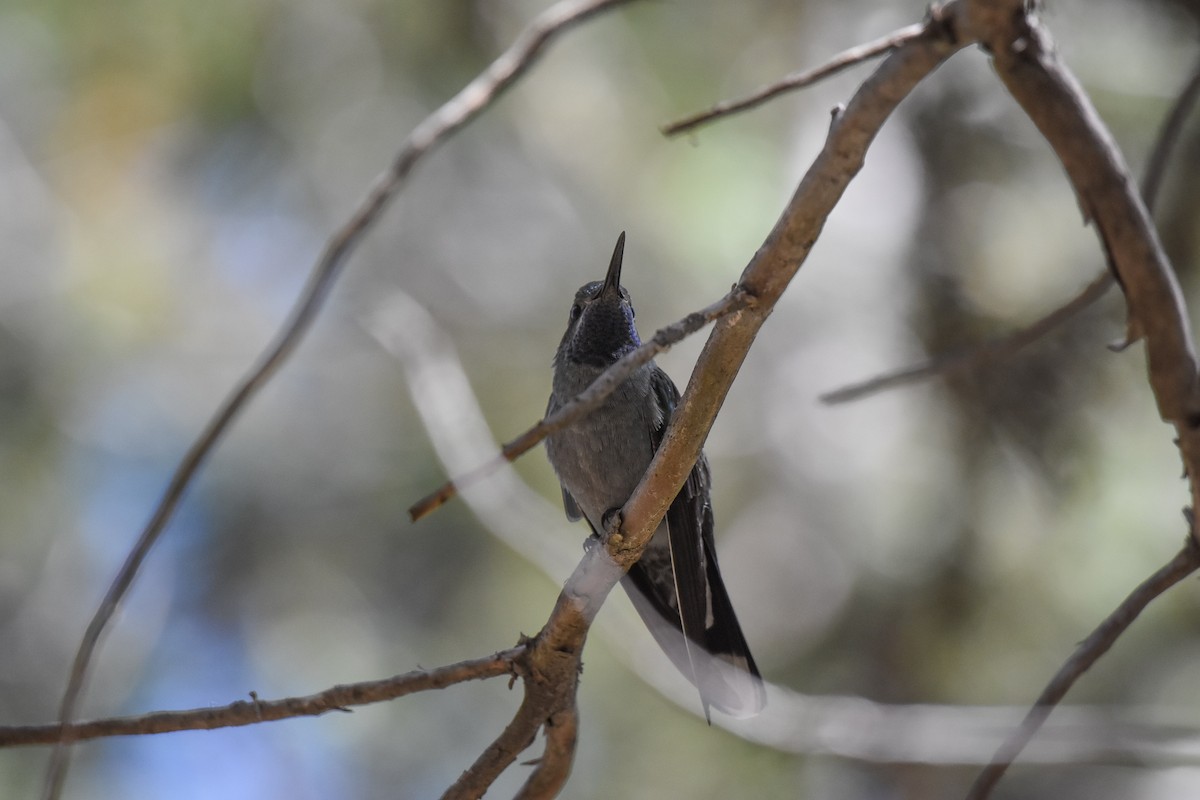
[676,586]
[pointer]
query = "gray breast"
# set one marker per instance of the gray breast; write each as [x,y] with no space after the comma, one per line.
[601,458]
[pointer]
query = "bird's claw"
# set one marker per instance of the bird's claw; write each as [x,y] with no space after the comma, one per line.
[612,521]
[611,531]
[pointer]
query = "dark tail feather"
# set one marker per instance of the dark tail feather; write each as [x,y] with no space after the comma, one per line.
[720,665]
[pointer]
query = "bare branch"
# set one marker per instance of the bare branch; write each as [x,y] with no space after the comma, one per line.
[1025,60]
[1168,135]
[1095,645]
[554,767]
[797,80]
[976,356]
[243,712]
[587,401]
[453,115]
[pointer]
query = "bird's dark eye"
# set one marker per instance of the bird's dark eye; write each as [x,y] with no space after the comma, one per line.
[576,310]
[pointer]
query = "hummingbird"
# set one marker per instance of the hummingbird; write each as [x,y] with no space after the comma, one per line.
[676,585]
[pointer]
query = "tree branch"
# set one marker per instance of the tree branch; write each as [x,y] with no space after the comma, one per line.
[797,80]
[243,712]
[554,767]
[978,355]
[849,727]
[551,669]
[1089,651]
[453,115]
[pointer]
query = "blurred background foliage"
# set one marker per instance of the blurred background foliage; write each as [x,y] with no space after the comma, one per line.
[171,170]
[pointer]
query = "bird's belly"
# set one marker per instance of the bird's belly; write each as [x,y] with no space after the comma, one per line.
[601,458]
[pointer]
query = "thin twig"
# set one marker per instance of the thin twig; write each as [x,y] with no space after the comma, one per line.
[993,350]
[1095,645]
[1168,135]
[250,712]
[453,115]
[1008,345]
[587,400]
[797,80]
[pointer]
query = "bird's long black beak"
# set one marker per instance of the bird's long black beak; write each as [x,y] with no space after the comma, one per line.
[612,281]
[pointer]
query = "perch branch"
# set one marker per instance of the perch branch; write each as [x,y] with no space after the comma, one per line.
[453,115]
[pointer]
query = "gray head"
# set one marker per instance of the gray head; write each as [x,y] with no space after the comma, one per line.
[600,328]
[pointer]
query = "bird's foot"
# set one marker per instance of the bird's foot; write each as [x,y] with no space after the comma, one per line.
[612,521]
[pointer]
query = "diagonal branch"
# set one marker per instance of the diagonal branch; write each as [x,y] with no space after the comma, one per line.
[453,115]
[550,668]
[516,737]
[1010,344]
[1089,651]
[797,80]
[253,711]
